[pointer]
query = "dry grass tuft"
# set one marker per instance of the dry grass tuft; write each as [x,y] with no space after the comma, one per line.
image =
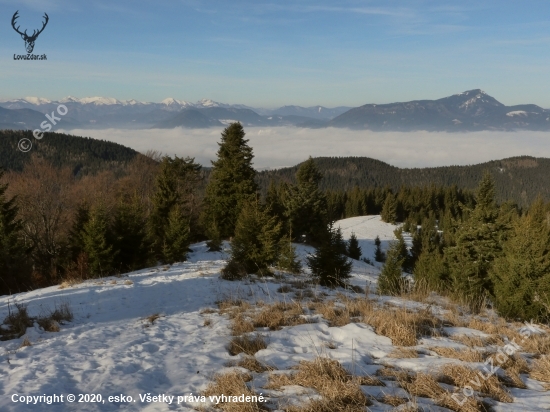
[514,366]
[128,282]
[247,344]
[478,341]
[392,400]
[285,289]
[426,386]
[26,342]
[540,369]
[207,322]
[336,316]
[402,326]
[252,364]
[240,324]
[403,353]
[17,321]
[67,283]
[466,355]
[208,311]
[339,389]
[463,376]
[233,384]
[279,314]
[152,318]
[233,307]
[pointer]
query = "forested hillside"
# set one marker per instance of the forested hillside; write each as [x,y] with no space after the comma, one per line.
[519,179]
[82,154]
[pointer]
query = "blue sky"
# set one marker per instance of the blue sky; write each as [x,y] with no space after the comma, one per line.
[267,54]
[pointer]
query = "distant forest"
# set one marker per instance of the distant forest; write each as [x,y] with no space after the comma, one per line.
[519,179]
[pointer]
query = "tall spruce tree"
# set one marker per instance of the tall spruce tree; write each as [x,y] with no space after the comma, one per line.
[389,210]
[522,272]
[390,281]
[306,204]
[478,244]
[379,255]
[329,263]
[429,270]
[97,243]
[231,183]
[354,250]
[14,266]
[288,259]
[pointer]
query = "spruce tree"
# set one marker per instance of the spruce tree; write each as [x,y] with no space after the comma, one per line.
[176,239]
[354,250]
[14,266]
[429,267]
[306,204]
[379,256]
[255,245]
[231,183]
[522,273]
[390,281]
[288,259]
[175,188]
[329,263]
[131,237]
[76,240]
[478,243]
[389,210]
[97,246]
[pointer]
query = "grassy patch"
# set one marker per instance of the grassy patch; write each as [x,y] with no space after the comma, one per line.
[247,344]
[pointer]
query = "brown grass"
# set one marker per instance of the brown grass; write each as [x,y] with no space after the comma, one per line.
[540,369]
[233,307]
[426,386]
[285,289]
[207,322]
[152,318]
[240,324]
[279,314]
[233,384]
[403,353]
[514,366]
[26,342]
[252,364]
[463,376]
[18,321]
[49,325]
[392,400]
[339,389]
[247,344]
[466,355]
[477,341]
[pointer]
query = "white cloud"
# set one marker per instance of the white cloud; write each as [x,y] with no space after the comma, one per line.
[287,146]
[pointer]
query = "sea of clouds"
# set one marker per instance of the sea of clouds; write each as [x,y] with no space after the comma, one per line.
[286,146]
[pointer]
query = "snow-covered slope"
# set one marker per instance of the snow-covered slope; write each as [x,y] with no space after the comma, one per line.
[112,349]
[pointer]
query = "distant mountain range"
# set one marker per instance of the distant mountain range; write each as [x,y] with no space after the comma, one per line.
[472,110]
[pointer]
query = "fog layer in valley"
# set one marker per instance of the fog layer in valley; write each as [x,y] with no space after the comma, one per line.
[287,146]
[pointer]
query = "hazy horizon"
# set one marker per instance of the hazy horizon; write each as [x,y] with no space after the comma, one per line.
[277,147]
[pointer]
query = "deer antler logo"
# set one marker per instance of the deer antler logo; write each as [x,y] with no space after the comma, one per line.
[29,40]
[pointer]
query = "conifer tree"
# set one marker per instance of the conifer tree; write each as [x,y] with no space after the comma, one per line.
[379,256]
[288,259]
[389,210]
[522,273]
[429,267]
[75,239]
[307,205]
[329,263]
[176,239]
[354,250]
[478,243]
[131,237]
[390,281]
[231,183]
[14,267]
[97,246]
[175,188]
[255,245]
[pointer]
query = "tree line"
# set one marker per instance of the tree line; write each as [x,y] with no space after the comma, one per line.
[55,226]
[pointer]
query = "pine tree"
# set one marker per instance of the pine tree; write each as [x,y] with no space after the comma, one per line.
[354,250]
[176,239]
[478,243]
[390,281]
[429,267]
[14,267]
[131,237]
[306,204]
[255,245]
[76,240]
[522,273]
[97,246]
[329,263]
[379,256]
[389,211]
[231,183]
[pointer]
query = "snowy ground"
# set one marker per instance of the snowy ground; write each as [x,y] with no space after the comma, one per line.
[111,349]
